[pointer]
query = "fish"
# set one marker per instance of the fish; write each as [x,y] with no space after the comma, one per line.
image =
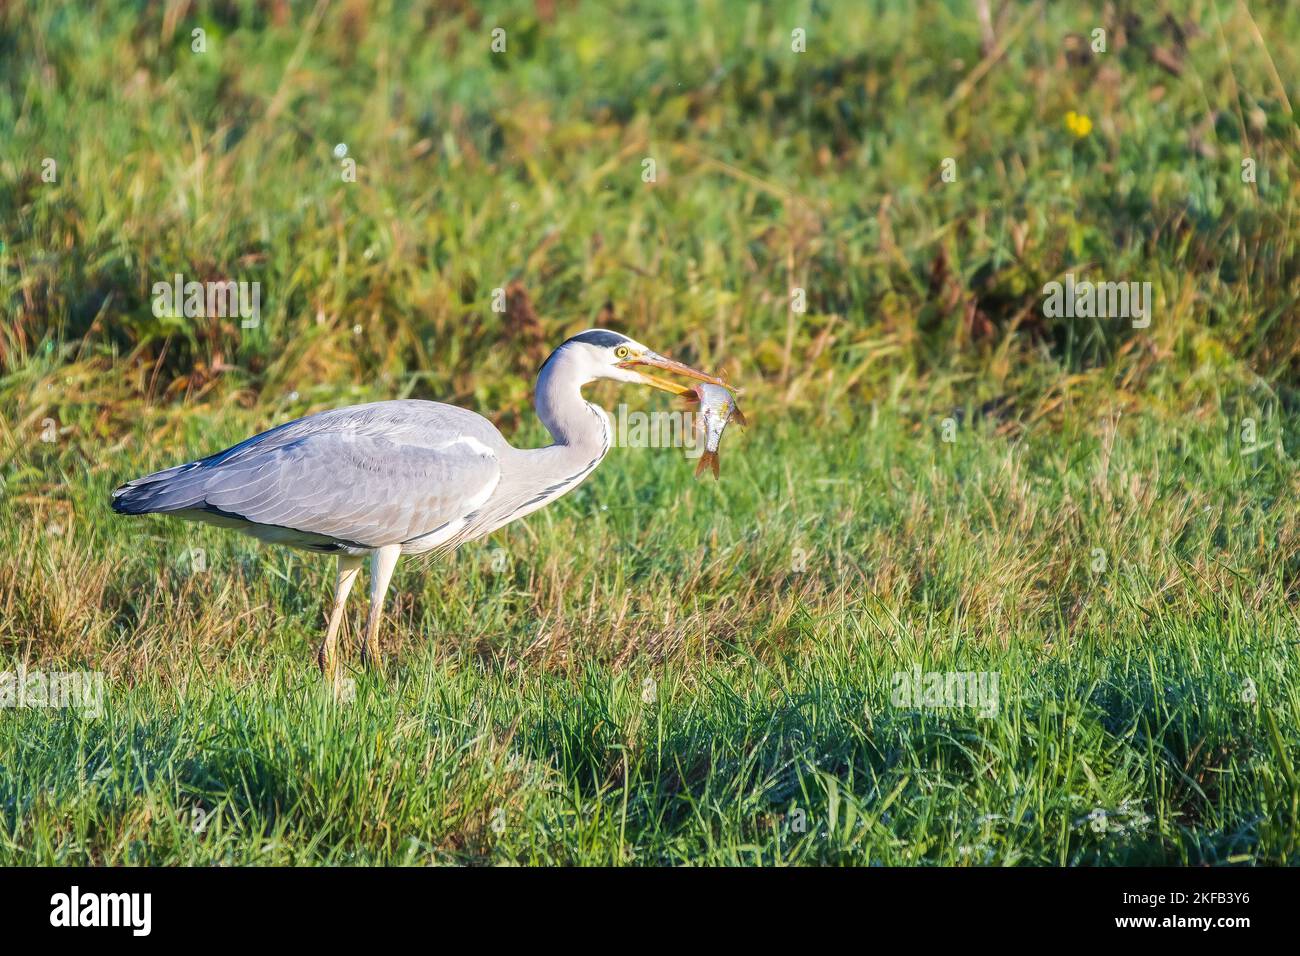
[717,409]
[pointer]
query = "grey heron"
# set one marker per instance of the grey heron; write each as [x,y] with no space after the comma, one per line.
[403,477]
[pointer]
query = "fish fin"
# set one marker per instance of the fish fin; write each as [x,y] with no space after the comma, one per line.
[738,416]
[707,460]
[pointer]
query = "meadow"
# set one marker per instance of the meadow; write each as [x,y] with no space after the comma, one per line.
[939,477]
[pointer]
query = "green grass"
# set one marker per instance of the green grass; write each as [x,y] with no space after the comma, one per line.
[665,671]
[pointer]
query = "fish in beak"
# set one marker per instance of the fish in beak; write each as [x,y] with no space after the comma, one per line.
[717,408]
[655,360]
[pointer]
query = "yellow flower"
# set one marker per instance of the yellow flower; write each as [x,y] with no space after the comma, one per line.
[1078,124]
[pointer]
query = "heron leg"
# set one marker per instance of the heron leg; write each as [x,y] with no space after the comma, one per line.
[349,565]
[382,562]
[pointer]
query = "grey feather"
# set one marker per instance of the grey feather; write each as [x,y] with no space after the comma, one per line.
[349,479]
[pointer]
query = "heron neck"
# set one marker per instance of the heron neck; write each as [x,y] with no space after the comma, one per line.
[581,434]
[574,422]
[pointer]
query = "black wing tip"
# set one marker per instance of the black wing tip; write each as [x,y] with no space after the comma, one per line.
[126,503]
[133,498]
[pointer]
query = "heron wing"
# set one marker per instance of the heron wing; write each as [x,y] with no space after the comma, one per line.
[364,477]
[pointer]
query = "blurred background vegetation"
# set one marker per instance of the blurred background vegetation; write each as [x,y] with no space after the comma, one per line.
[523,170]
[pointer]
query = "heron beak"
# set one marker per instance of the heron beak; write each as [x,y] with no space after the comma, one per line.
[654,360]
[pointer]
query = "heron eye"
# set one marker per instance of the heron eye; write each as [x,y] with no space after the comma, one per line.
[621,352]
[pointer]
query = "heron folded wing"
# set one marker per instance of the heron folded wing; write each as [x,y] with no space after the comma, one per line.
[360,489]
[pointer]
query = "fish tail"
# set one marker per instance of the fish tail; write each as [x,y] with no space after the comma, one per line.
[707,460]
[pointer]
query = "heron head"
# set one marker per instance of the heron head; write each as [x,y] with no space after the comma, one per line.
[611,355]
